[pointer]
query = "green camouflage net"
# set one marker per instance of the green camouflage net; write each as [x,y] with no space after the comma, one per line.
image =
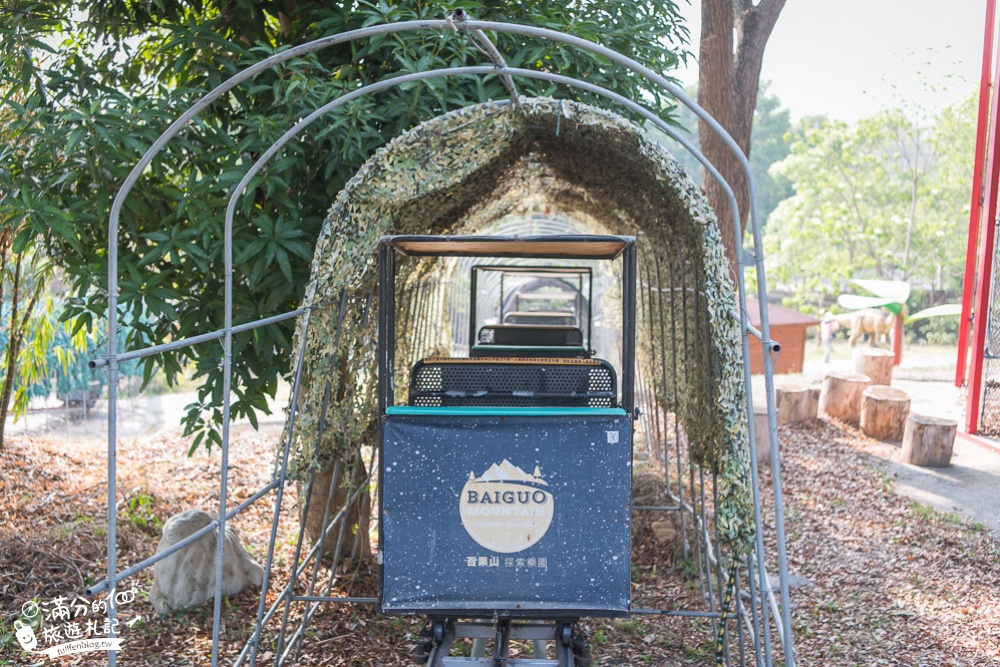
[464,170]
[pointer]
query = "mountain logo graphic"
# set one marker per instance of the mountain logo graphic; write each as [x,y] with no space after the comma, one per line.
[505,509]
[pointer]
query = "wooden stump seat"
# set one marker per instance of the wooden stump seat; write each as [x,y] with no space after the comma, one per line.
[840,396]
[874,362]
[795,403]
[814,391]
[884,411]
[928,441]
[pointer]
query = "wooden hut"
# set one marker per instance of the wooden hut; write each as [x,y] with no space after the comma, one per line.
[788,327]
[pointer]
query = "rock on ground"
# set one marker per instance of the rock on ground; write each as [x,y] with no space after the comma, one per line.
[187,578]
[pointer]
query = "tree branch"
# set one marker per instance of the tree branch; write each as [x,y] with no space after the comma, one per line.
[754,27]
[23,326]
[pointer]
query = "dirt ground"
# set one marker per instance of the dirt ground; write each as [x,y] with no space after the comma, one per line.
[880,578]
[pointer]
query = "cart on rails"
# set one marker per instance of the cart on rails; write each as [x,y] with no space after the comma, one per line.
[505,495]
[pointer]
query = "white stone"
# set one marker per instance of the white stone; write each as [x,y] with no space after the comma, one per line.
[794,581]
[187,578]
[664,531]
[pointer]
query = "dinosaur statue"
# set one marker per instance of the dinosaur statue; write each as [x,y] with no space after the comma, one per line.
[871,322]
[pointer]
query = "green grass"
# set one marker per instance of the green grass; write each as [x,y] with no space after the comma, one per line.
[923,511]
[139,510]
[885,479]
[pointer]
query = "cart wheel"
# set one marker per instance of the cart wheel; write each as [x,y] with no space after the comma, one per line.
[581,649]
[425,642]
[443,634]
[564,647]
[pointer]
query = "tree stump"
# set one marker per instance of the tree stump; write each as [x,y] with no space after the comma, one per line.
[814,389]
[840,396]
[874,362]
[762,436]
[795,403]
[928,441]
[884,411]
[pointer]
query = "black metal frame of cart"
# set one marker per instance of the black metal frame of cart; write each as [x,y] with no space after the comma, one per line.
[506,512]
[562,273]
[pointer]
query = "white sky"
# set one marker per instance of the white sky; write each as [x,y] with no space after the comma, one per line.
[850,58]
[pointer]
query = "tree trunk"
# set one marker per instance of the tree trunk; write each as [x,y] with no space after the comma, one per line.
[13,343]
[353,539]
[8,387]
[727,89]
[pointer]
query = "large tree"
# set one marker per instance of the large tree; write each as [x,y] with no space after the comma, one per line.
[882,198]
[730,54]
[91,84]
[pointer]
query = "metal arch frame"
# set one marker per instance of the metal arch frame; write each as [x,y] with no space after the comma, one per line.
[476,27]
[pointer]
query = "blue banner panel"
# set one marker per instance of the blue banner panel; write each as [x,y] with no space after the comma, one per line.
[524,516]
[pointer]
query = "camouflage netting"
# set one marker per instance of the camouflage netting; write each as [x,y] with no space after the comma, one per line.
[462,171]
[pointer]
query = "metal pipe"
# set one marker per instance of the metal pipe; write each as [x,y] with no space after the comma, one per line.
[740,620]
[667,612]
[101,362]
[755,492]
[299,568]
[772,345]
[651,405]
[295,562]
[976,205]
[293,412]
[227,386]
[299,637]
[337,466]
[628,329]
[673,399]
[754,626]
[334,357]
[356,548]
[404,26]
[984,274]
[461,20]
[296,641]
[112,444]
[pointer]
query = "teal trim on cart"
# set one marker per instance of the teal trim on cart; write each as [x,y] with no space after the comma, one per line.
[410,410]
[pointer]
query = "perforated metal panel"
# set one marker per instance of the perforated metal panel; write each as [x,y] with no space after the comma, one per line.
[496,383]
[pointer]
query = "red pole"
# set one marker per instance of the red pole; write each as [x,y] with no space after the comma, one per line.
[897,340]
[984,274]
[975,210]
